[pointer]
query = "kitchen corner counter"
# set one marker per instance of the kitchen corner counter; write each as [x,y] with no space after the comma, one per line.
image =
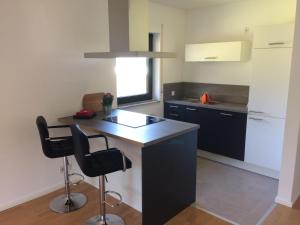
[231,107]
[142,136]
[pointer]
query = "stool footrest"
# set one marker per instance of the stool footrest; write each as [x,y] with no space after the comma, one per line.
[113,193]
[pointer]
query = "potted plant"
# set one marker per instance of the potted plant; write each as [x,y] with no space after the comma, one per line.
[107,101]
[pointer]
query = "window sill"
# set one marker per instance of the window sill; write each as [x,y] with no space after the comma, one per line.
[138,104]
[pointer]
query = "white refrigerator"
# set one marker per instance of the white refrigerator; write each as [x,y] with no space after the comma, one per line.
[268,97]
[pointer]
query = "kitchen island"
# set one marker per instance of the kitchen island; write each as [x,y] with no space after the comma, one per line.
[162,180]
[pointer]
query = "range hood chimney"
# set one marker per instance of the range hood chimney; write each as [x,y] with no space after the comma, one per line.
[129,31]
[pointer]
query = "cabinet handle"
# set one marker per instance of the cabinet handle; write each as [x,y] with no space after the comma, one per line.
[211,57]
[258,112]
[190,109]
[256,119]
[173,114]
[174,106]
[226,114]
[276,43]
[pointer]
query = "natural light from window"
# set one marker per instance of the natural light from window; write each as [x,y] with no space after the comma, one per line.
[131,76]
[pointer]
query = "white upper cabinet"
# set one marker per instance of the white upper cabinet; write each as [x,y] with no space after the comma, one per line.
[218,52]
[274,36]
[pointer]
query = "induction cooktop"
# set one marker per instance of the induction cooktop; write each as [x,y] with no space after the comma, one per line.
[132,119]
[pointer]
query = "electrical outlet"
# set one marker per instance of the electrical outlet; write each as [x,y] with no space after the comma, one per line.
[61,169]
[173,93]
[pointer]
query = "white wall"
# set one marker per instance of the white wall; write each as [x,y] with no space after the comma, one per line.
[173,21]
[43,72]
[173,39]
[289,185]
[227,23]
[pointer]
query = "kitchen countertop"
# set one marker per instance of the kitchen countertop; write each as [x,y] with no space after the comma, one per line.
[232,107]
[141,136]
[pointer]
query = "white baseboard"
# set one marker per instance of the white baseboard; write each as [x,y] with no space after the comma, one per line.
[29,197]
[287,203]
[295,198]
[284,202]
[239,164]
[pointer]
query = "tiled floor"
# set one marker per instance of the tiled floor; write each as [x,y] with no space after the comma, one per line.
[36,212]
[237,195]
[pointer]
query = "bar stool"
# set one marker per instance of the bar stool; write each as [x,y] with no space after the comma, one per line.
[99,164]
[60,147]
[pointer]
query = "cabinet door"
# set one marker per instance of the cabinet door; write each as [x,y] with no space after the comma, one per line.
[209,131]
[274,36]
[191,114]
[223,133]
[173,111]
[270,82]
[264,141]
[232,134]
[217,52]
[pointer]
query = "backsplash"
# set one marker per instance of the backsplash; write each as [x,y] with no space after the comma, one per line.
[219,92]
[177,88]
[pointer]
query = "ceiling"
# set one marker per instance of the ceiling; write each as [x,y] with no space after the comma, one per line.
[191,4]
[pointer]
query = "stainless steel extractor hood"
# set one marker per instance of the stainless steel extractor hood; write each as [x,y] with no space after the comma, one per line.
[128,31]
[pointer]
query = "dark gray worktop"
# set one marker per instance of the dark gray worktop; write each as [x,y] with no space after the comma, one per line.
[232,107]
[238,94]
[141,136]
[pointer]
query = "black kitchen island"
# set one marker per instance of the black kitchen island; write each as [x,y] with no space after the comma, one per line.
[162,181]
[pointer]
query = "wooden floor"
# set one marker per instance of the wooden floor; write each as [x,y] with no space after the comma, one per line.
[36,212]
[282,215]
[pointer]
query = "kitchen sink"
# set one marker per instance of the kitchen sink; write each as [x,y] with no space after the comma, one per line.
[193,100]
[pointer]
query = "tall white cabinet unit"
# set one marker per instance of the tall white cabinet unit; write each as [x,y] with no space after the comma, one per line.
[272,52]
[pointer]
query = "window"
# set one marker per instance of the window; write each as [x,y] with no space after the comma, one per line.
[135,78]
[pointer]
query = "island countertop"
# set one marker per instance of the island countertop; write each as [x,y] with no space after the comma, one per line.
[141,136]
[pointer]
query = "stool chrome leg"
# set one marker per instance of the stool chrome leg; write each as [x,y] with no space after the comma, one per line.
[103,218]
[68,202]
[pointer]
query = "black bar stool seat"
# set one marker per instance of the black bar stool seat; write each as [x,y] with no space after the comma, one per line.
[60,147]
[104,162]
[99,164]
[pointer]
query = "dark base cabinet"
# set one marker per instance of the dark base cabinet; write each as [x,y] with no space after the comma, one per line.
[174,111]
[221,132]
[169,178]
